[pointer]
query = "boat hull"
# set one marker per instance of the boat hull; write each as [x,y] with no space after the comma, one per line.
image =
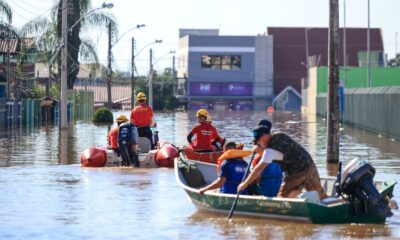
[295,209]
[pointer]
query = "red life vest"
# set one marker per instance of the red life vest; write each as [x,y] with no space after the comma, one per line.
[205,135]
[142,116]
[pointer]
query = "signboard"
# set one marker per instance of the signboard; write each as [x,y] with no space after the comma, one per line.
[236,89]
[205,89]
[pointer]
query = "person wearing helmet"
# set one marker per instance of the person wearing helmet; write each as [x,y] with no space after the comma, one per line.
[205,134]
[128,143]
[142,117]
[113,134]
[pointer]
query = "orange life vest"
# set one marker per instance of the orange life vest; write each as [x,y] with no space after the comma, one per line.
[113,138]
[232,153]
[257,158]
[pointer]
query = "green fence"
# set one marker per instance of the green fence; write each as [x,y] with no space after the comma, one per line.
[82,104]
[373,109]
[356,77]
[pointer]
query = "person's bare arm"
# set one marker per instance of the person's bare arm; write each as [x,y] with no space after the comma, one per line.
[216,184]
[253,176]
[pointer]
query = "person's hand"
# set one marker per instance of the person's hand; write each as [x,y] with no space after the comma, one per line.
[241,187]
[202,190]
[154,125]
[257,148]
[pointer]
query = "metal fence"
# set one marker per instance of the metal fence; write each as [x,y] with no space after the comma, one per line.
[373,109]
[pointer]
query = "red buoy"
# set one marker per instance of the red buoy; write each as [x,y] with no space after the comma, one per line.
[166,154]
[94,157]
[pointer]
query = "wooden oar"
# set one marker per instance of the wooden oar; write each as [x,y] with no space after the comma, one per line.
[238,193]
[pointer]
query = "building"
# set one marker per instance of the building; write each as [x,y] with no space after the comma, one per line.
[224,72]
[293,44]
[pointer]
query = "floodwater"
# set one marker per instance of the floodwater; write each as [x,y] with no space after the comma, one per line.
[45,194]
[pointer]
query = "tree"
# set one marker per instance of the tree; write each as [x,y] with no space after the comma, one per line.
[6,29]
[163,90]
[47,31]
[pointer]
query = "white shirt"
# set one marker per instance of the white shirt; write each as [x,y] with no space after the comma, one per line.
[271,154]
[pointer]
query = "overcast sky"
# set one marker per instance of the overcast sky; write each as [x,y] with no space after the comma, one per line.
[164,18]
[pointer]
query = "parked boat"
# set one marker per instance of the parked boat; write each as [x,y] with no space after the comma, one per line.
[192,175]
[101,156]
[208,157]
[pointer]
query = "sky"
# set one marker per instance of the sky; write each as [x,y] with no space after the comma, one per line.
[163,19]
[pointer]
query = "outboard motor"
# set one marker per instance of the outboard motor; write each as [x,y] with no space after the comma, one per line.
[357,182]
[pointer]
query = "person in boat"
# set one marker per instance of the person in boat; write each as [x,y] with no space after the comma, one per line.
[142,117]
[128,144]
[297,164]
[231,169]
[270,179]
[113,134]
[206,135]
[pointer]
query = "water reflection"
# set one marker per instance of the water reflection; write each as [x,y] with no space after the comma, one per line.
[46,194]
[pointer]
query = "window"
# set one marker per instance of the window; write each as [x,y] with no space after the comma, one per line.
[221,62]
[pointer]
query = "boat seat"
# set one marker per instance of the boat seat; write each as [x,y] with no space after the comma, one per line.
[311,197]
[144,145]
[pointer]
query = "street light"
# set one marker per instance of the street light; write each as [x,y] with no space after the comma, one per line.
[134,67]
[152,73]
[104,5]
[109,69]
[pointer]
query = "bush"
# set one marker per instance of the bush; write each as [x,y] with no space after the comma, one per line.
[103,115]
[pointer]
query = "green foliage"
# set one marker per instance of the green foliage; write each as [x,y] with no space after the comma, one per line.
[103,115]
[163,90]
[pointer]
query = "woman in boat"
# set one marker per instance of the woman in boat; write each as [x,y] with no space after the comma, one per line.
[206,135]
[113,134]
[294,160]
[142,117]
[230,171]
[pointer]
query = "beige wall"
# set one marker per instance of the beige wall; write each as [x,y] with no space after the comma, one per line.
[311,105]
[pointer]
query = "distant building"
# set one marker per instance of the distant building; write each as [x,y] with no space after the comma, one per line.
[224,72]
[290,50]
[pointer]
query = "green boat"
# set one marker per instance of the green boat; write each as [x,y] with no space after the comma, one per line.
[192,175]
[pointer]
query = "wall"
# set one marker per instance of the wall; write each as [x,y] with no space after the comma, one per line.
[357,77]
[373,109]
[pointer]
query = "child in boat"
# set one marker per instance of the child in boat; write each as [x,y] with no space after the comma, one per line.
[205,134]
[231,170]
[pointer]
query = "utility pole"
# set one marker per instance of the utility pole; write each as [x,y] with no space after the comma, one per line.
[368,52]
[8,71]
[151,79]
[332,155]
[174,84]
[344,45]
[64,67]
[133,75]
[109,70]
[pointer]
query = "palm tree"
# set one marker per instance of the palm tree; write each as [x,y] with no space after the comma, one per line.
[47,31]
[6,30]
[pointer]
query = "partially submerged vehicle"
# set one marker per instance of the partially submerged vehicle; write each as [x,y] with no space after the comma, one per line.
[357,199]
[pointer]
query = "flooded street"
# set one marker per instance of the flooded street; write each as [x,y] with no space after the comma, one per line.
[45,194]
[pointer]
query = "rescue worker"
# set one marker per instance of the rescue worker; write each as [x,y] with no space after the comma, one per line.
[297,164]
[113,134]
[142,117]
[230,171]
[206,136]
[128,143]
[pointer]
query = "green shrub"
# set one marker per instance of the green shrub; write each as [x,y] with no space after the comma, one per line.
[103,115]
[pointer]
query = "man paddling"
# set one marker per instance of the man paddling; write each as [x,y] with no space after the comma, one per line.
[297,164]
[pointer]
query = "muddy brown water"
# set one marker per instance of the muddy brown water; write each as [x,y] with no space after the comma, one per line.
[45,194]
